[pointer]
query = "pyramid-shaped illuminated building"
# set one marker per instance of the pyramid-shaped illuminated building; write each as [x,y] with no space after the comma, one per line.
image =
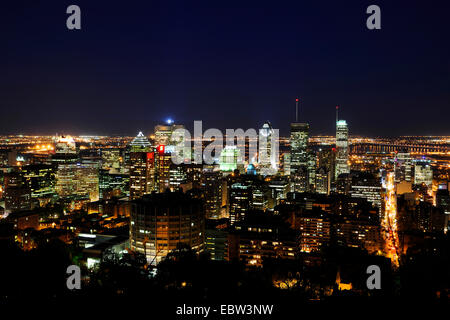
[140,143]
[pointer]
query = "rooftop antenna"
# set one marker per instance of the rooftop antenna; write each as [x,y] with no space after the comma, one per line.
[296,109]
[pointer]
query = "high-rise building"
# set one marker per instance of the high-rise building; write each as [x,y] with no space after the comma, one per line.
[323,180]
[342,148]
[423,173]
[247,192]
[403,167]
[267,150]
[161,221]
[78,179]
[40,178]
[163,165]
[299,145]
[164,134]
[142,167]
[286,164]
[366,186]
[213,193]
[299,156]
[229,159]
[110,158]
[17,194]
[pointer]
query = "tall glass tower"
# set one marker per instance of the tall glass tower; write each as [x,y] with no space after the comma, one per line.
[342,148]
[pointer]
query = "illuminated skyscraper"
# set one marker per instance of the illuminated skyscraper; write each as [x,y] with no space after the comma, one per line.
[213,193]
[229,158]
[268,150]
[342,148]
[142,167]
[423,173]
[299,154]
[323,180]
[163,165]
[403,167]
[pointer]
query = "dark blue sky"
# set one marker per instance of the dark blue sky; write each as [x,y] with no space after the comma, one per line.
[229,63]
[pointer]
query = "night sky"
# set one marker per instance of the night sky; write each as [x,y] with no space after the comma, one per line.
[229,63]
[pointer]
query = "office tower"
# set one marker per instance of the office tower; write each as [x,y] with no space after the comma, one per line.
[161,221]
[403,167]
[229,159]
[423,173]
[65,177]
[299,145]
[278,191]
[299,156]
[240,197]
[286,164]
[341,148]
[17,194]
[177,176]
[113,184]
[327,159]
[366,186]
[40,178]
[312,167]
[87,180]
[247,192]
[163,165]
[323,180]
[142,167]
[267,153]
[78,179]
[110,158]
[213,193]
[164,134]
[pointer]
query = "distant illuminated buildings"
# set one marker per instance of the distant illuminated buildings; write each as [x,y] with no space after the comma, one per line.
[65,145]
[342,148]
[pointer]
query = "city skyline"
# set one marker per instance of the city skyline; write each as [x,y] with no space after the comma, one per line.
[205,159]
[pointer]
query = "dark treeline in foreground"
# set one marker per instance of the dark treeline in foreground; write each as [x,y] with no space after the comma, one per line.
[184,277]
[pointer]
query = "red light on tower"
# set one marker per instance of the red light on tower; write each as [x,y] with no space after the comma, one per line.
[161,148]
[296,100]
